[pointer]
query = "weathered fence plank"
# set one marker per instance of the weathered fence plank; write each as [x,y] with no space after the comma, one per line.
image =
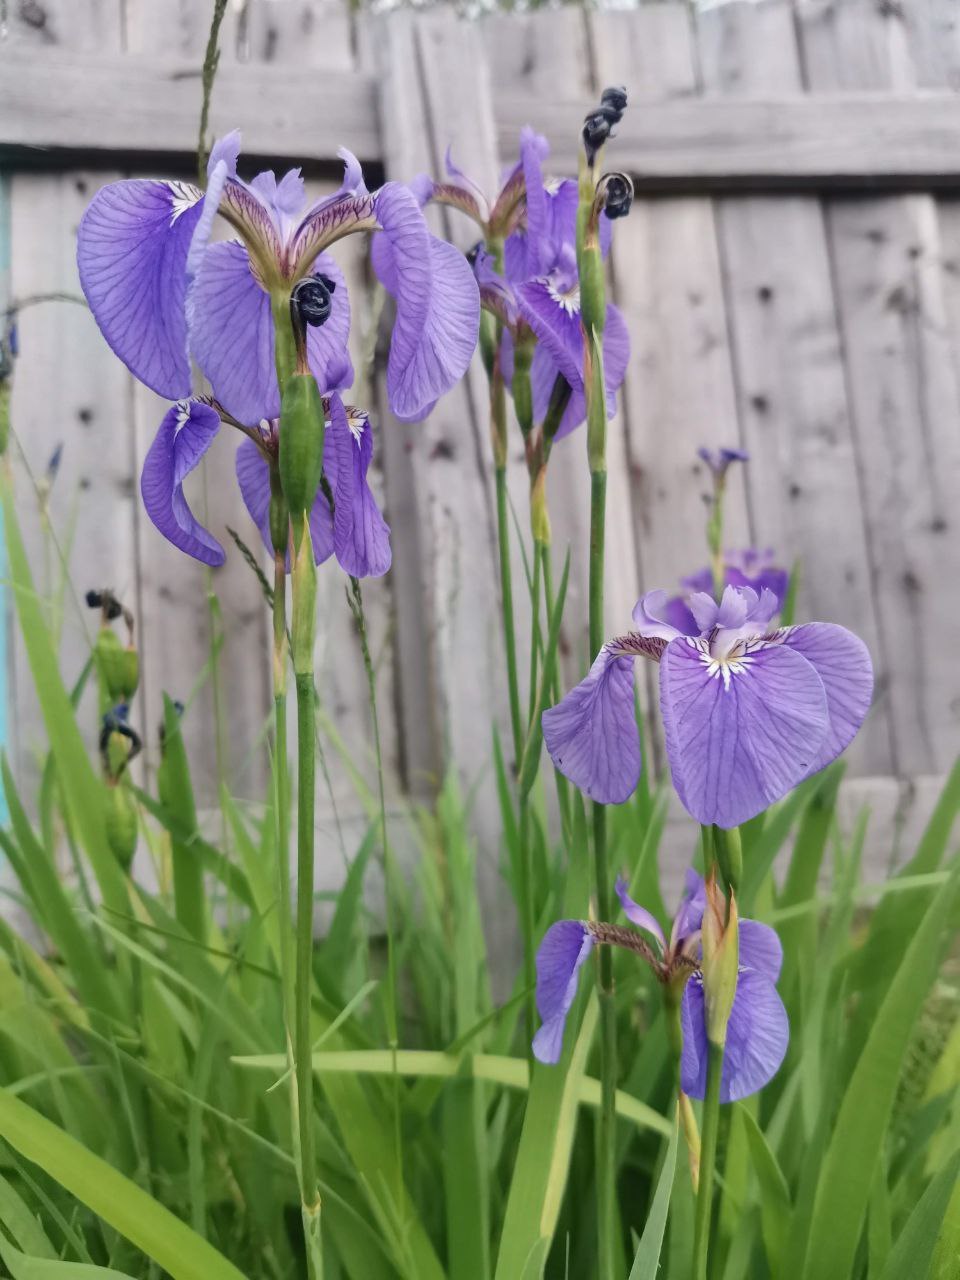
[905,403]
[788,361]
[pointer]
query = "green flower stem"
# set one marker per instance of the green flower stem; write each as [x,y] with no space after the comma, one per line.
[708,1158]
[506,597]
[729,853]
[563,787]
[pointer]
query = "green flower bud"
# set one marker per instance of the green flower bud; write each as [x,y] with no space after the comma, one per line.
[119,667]
[121,824]
[721,960]
[301,441]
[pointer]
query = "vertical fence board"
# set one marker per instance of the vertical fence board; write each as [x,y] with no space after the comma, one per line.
[679,390]
[68,390]
[434,91]
[788,360]
[903,396]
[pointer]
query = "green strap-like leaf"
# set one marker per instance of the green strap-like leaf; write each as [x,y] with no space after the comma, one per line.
[646,1265]
[913,1252]
[845,1178]
[108,1193]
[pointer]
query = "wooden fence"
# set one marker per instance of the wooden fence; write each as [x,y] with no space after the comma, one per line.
[790,275]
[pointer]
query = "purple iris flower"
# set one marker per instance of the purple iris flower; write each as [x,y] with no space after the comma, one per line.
[758,1030]
[749,567]
[719,460]
[749,709]
[162,293]
[537,298]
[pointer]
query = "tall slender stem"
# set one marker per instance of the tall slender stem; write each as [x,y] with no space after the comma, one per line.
[708,1159]
[506,598]
[593,316]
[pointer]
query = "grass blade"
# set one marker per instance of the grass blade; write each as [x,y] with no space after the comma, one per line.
[646,1264]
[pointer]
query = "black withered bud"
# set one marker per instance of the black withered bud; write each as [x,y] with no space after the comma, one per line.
[615,99]
[311,300]
[598,126]
[94,600]
[596,130]
[615,190]
[473,253]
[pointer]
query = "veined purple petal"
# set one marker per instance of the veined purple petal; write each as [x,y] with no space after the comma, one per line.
[554,316]
[757,1037]
[563,951]
[539,248]
[760,948]
[689,915]
[638,915]
[438,308]
[253,476]
[185,434]
[651,616]
[232,334]
[132,247]
[592,734]
[361,535]
[739,734]
[677,614]
[842,661]
[221,169]
[616,357]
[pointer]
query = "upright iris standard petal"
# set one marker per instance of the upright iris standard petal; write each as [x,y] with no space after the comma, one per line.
[232,334]
[592,735]
[638,915]
[757,1036]
[132,247]
[842,661]
[186,433]
[438,307]
[361,535]
[562,953]
[689,915]
[740,733]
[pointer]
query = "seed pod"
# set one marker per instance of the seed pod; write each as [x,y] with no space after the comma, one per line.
[301,441]
[121,824]
[119,667]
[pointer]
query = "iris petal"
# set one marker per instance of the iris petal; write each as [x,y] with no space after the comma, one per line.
[361,535]
[563,951]
[438,307]
[638,915]
[232,334]
[132,247]
[592,735]
[757,1036]
[739,736]
[185,434]
[842,661]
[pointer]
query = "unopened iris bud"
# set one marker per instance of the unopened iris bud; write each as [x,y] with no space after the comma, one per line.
[121,824]
[615,195]
[301,442]
[721,960]
[119,667]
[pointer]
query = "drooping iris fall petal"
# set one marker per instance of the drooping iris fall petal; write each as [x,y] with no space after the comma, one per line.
[185,434]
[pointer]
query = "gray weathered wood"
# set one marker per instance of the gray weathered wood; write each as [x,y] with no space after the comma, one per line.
[788,359]
[679,390]
[148,105]
[144,107]
[905,401]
